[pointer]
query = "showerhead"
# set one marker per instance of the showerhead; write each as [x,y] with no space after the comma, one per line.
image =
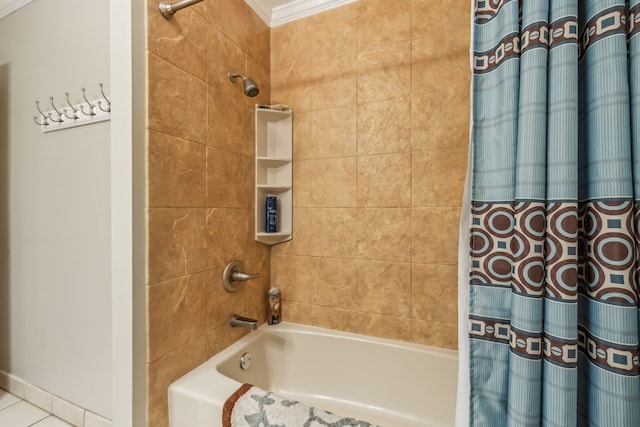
[250,87]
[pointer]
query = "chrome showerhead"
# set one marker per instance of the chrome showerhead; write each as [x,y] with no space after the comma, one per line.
[250,87]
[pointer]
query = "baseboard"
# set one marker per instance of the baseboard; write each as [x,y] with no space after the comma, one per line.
[65,410]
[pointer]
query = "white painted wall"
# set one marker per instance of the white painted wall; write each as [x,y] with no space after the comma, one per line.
[55,228]
[128,242]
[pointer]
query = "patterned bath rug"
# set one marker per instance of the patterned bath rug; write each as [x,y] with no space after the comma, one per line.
[251,406]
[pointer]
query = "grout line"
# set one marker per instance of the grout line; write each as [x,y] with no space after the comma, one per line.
[14,403]
[48,414]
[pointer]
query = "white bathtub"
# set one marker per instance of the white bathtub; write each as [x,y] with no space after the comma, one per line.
[385,382]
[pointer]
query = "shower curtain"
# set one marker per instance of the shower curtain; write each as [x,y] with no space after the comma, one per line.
[552,327]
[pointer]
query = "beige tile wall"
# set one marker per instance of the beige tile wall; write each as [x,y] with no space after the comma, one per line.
[380,92]
[200,185]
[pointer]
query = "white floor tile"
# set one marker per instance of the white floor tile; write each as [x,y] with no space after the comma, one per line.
[7,399]
[22,414]
[51,421]
[93,420]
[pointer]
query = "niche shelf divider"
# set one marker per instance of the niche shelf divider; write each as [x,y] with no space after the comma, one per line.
[273,171]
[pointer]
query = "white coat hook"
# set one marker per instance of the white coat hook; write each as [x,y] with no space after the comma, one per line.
[74,109]
[92,107]
[59,119]
[45,121]
[107,100]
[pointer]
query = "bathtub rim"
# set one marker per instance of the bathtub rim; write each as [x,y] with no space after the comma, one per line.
[192,384]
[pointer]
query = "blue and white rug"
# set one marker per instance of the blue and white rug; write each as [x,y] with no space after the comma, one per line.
[251,406]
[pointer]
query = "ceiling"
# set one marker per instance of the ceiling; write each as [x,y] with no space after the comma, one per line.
[8,6]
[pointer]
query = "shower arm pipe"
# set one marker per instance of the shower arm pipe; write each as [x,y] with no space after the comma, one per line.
[169,9]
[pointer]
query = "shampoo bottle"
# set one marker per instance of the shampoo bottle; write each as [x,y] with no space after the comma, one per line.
[274,310]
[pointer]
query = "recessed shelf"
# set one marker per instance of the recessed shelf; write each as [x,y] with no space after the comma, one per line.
[274,162]
[273,133]
[274,188]
[273,172]
[275,235]
[276,173]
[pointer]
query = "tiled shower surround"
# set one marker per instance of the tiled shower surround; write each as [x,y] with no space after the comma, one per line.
[380,94]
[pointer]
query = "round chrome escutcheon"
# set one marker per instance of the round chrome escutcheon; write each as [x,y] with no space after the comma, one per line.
[245,361]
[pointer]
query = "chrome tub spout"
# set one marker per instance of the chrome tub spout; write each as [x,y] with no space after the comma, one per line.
[244,322]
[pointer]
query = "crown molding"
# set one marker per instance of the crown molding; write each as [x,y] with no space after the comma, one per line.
[8,6]
[280,14]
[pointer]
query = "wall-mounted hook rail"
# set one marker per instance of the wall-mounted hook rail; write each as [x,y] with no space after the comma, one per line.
[83,113]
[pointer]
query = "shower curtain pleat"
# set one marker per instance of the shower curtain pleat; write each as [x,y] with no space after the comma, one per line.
[462,398]
[548,280]
[463,384]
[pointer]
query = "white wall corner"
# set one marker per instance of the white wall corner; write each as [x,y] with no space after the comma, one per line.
[12,384]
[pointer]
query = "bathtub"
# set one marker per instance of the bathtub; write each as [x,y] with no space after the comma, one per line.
[385,382]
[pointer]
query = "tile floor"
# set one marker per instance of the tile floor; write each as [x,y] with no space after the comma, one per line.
[15,412]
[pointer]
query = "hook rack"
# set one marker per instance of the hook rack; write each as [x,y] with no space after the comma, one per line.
[84,113]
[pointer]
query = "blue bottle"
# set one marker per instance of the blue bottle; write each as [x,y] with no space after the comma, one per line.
[271,219]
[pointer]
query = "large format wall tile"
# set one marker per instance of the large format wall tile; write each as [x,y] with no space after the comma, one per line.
[384,234]
[384,71]
[332,182]
[178,41]
[176,170]
[333,33]
[384,126]
[290,45]
[229,179]
[434,235]
[176,243]
[382,21]
[177,101]
[438,175]
[434,292]
[332,133]
[385,287]
[384,180]
[163,371]
[177,313]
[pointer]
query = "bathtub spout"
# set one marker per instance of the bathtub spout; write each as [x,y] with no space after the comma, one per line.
[244,322]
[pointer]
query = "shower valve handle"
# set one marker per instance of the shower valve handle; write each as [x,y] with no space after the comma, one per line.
[239,275]
[233,275]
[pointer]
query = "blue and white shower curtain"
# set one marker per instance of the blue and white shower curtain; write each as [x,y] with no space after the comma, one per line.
[554,221]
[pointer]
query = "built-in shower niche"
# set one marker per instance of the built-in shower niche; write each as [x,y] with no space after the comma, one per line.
[273,172]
